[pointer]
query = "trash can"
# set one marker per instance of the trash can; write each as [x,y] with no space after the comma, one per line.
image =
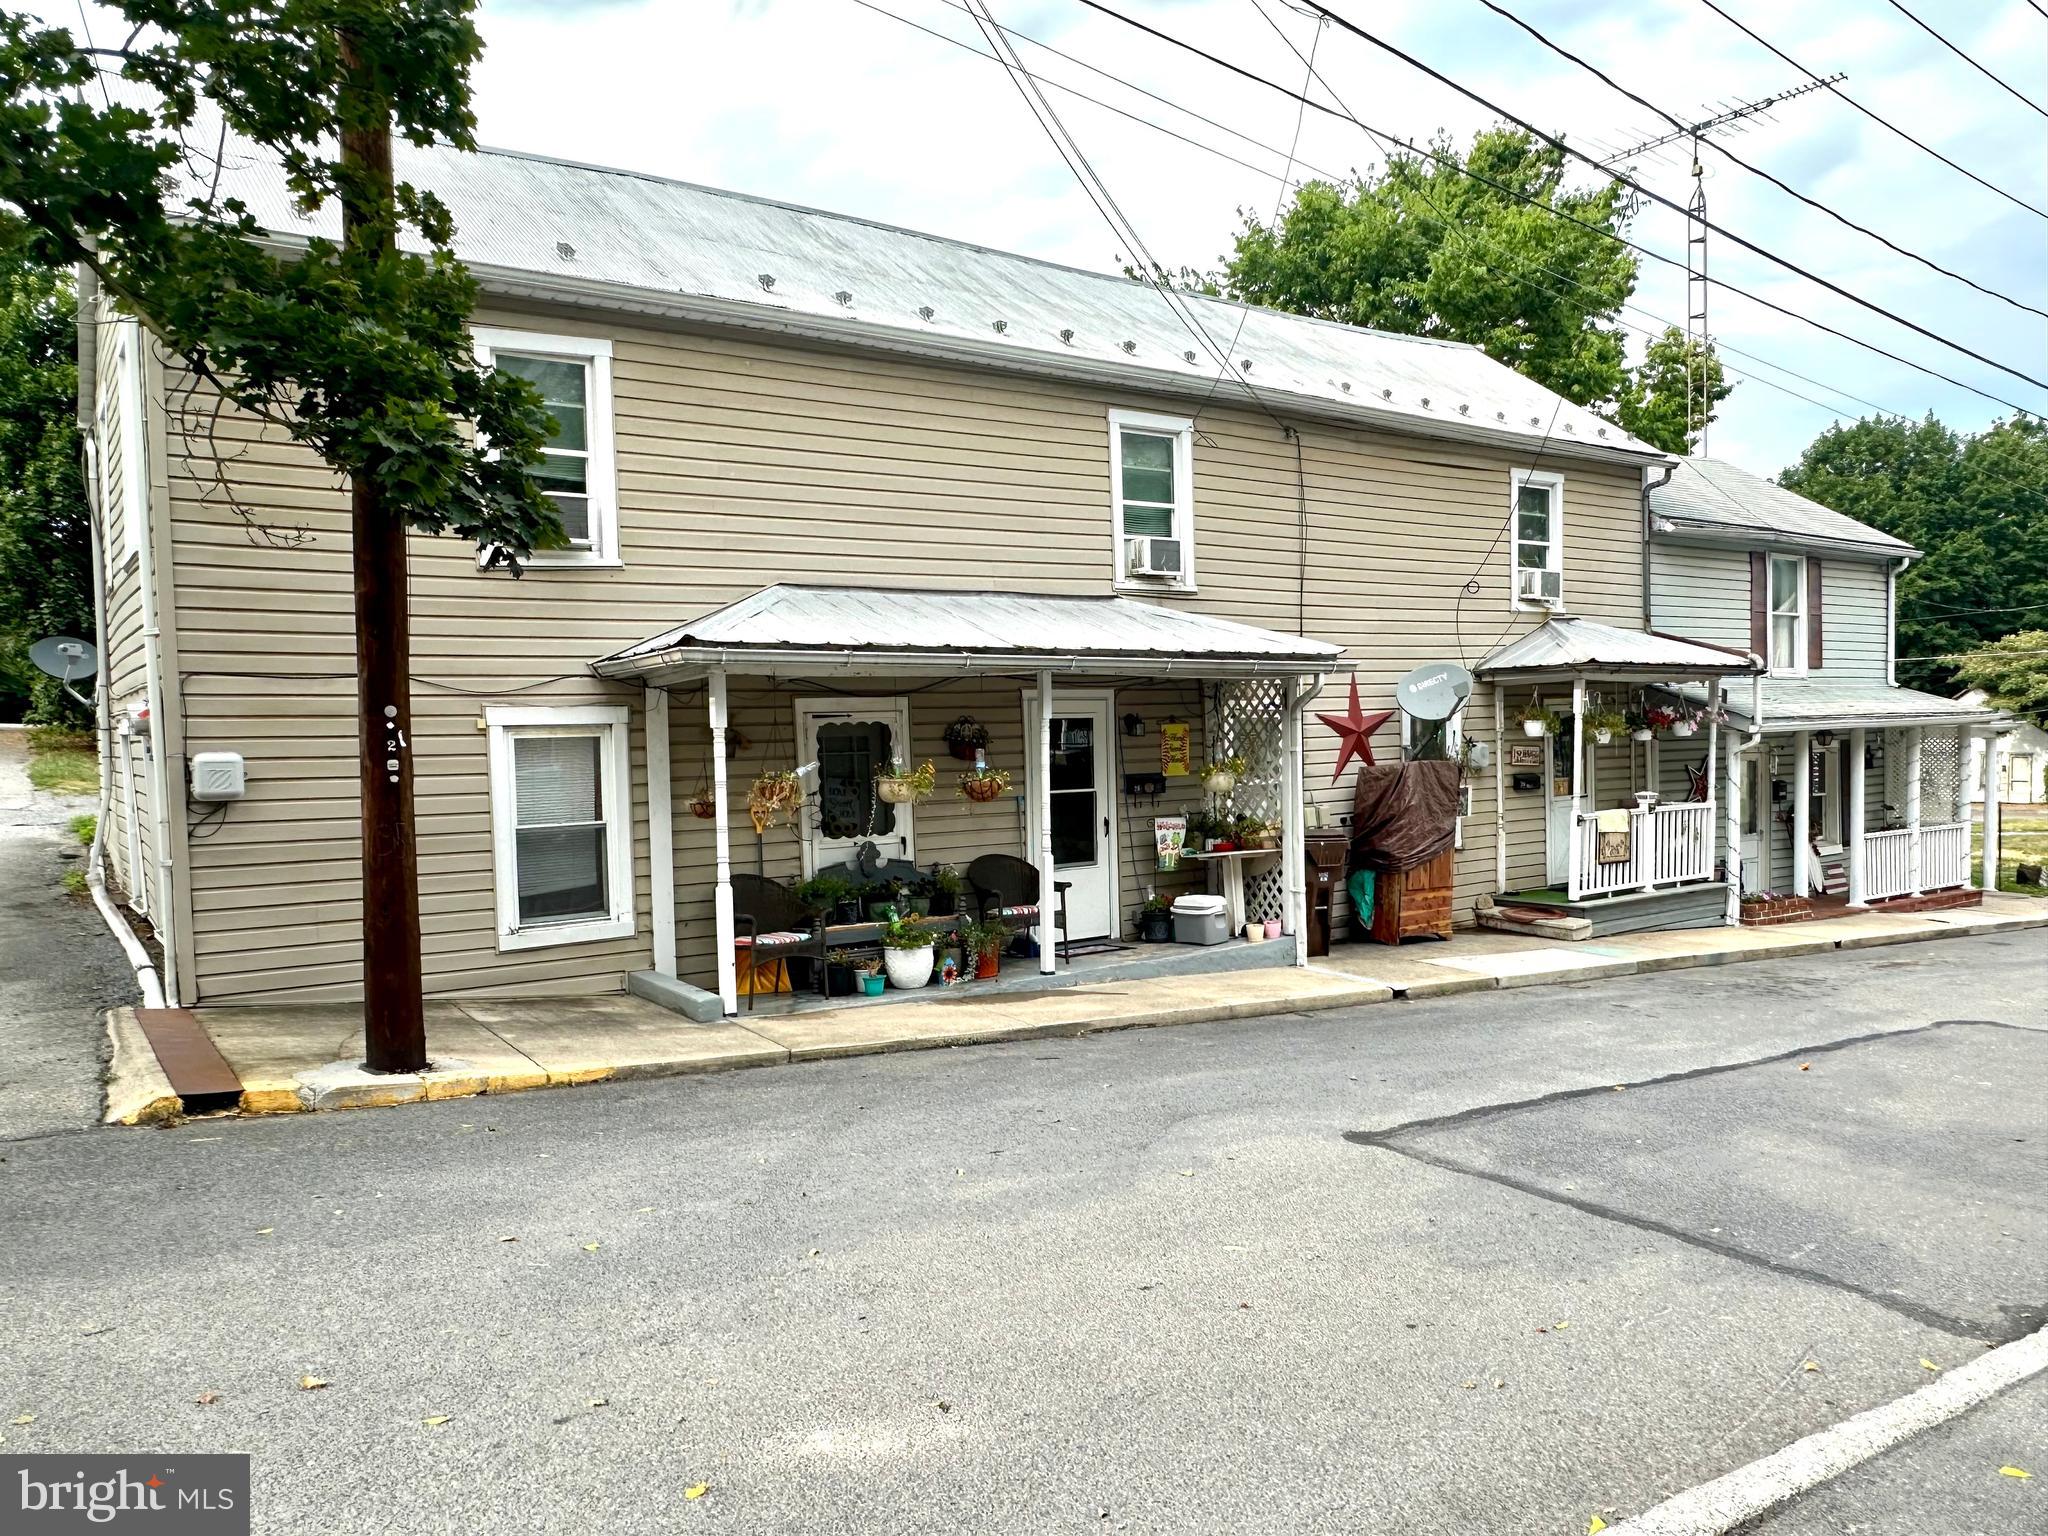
[1200,920]
[1324,855]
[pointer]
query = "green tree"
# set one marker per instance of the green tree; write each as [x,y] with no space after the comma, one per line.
[356,346]
[2013,672]
[45,533]
[1422,249]
[1977,506]
[1653,402]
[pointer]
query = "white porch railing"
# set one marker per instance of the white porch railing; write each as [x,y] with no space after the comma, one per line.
[1888,860]
[1670,845]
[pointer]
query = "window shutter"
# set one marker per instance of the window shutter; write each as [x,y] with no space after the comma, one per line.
[1813,642]
[1760,602]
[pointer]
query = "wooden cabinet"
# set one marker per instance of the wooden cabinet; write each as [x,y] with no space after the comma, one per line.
[1414,902]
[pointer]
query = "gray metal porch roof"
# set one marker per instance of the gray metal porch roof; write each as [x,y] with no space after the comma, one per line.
[885,629]
[1562,647]
[1831,703]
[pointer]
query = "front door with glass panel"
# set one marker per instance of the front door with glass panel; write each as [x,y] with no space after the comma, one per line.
[1083,813]
[851,740]
[1756,815]
[1557,790]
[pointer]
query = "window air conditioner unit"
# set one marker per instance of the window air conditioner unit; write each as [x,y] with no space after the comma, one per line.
[1540,586]
[1152,557]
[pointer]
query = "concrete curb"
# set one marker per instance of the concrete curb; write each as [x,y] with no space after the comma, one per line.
[138,1092]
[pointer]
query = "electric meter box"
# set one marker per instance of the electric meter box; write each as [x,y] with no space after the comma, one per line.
[217,776]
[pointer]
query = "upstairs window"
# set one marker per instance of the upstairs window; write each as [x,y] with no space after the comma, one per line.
[1151,461]
[1536,529]
[1788,614]
[572,375]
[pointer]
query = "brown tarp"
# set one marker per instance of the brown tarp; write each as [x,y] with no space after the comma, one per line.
[1403,814]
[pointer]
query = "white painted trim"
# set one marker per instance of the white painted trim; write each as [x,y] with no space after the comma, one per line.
[134,444]
[1858,789]
[1553,482]
[1802,812]
[890,708]
[1797,668]
[661,831]
[1040,781]
[724,925]
[609,722]
[1107,778]
[601,472]
[1182,430]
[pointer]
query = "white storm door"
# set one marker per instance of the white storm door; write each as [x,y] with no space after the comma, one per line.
[1756,816]
[850,739]
[1557,793]
[1083,809]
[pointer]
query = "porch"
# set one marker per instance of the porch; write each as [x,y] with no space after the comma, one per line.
[1599,727]
[1085,722]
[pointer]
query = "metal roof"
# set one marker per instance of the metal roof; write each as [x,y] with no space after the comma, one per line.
[1564,646]
[623,241]
[1811,703]
[1713,498]
[878,629]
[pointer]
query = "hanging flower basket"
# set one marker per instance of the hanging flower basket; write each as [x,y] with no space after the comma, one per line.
[1538,721]
[704,807]
[1221,778]
[773,797]
[1684,728]
[1605,724]
[984,785]
[965,737]
[906,788]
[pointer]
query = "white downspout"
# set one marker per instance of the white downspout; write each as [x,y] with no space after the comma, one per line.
[1736,747]
[1041,802]
[721,901]
[661,831]
[1891,621]
[1293,820]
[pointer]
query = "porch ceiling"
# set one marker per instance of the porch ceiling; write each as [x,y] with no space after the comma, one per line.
[788,627]
[1563,648]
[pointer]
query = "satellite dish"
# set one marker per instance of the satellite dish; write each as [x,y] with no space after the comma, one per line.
[1434,692]
[65,658]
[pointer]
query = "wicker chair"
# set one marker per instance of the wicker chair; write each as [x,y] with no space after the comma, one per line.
[1006,891]
[770,923]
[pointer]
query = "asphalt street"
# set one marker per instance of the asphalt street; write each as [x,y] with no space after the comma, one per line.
[1493,1263]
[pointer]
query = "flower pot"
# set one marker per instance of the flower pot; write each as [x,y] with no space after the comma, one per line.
[847,911]
[1272,927]
[988,964]
[1602,737]
[1645,734]
[1684,728]
[908,969]
[1533,728]
[895,791]
[703,807]
[920,906]
[871,983]
[981,790]
[841,981]
[962,750]
[1255,932]
[1219,783]
[1156,927]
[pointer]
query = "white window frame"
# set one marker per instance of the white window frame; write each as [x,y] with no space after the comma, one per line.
[601,472]
[1182,430]
[1796,667]
[1552,482]
[820,851]
[610,723]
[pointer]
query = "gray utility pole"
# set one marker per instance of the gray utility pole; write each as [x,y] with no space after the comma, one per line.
[1697,337]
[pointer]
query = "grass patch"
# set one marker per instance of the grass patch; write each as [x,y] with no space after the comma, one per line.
[58,738]
[75,882]
[85,828]
[64,770]
[2021,840]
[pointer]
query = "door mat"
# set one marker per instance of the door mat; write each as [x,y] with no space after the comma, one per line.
[1095,947]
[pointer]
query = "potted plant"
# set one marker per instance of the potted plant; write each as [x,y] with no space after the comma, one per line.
[1605,724]
[843,970]
[1155,921]
[1208,827]
[965,737]
[947,889]
[907,953]
[824,895]
[1248,831]
[1660,717]
[982,784]
[704,806]
[984,943]
[774,797]
[868,972]
[1535,720]
[900,788]
[913,897]
[1220,777]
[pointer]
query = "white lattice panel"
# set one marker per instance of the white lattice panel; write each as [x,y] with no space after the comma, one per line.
[1247,722]
[1941,776]
[1895,765]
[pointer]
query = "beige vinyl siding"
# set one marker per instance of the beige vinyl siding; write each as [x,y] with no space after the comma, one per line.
[121,646]
[743,461]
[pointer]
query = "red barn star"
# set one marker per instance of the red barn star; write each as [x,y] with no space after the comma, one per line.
[1353,727]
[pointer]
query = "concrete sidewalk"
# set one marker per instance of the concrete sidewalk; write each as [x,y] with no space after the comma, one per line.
[299,1058]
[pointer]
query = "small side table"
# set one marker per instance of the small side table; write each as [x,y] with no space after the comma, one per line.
[1227,870]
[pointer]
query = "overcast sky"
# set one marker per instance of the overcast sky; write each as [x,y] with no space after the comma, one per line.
[831,104]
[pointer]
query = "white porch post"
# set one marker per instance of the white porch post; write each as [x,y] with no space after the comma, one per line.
[721,899]
[1571,883]
[1802,813]
[1994,813]
[1859,880]
[1500,789]
[1713,745]
[1732,823]
[661,833]
[1292,874]
[1041,799]
[1913,740]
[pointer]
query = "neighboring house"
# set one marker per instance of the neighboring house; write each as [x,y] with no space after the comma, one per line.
[831,486]
[1854,784]
[2023,770]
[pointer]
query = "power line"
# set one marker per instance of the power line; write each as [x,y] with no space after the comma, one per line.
[1424,152]
[1680,129]
[1882,122]
[1657,197]
[1952,48]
